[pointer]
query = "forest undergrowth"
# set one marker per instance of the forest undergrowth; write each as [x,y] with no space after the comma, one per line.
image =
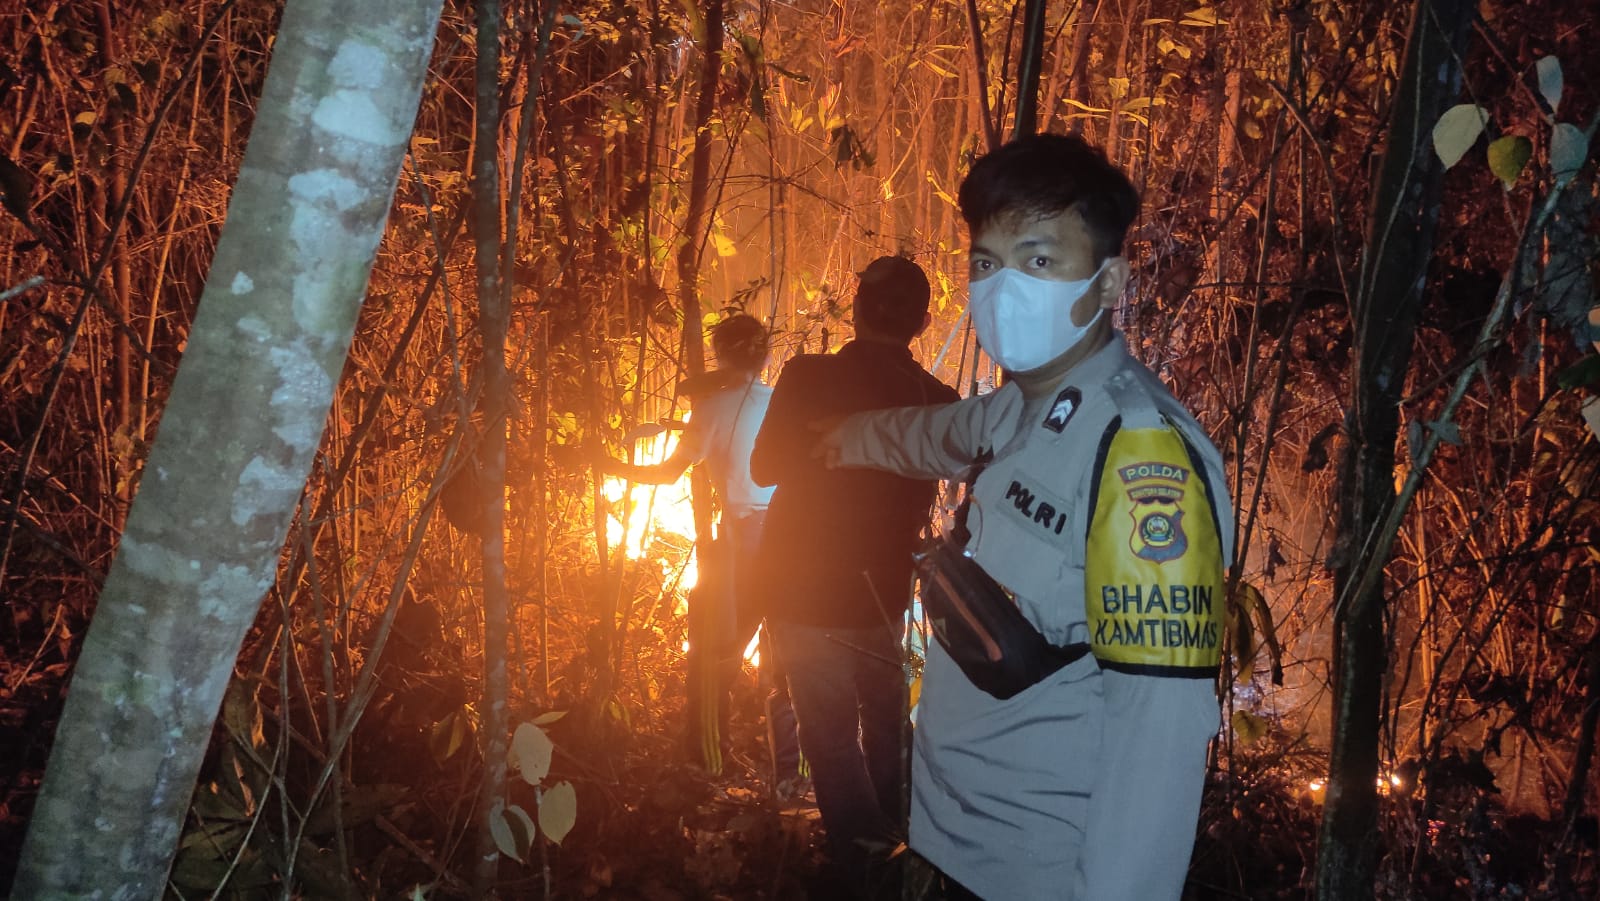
[654,825]
[656,193]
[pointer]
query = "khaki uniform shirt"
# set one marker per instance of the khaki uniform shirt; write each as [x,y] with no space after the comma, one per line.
[1086,785]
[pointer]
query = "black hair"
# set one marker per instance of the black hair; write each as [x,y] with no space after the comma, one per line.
[893,298]
[1047,174]
[740,342]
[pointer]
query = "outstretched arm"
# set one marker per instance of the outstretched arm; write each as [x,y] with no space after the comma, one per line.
[935,442]
[664,473]
[691,449]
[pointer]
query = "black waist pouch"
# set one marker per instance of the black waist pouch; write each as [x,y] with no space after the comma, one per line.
[979,625]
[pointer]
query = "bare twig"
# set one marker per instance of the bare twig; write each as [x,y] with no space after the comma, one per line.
[22,287]
[1375,549]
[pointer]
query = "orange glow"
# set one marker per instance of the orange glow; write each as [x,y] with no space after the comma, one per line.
[658,510]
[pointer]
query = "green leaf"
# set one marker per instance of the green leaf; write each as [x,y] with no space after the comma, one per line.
[550,716]
[522,829]
[1507,157]
[531,751]
[1139,103]
[447,737]
[1569,148]
[241,715]
[1202,17]
[558,811]
[1550,81]
[501,830]
[1249,727]
[1457,130]
[1580,374]
[1168,45]
[618,712]
[1083,106]
[1244,635]
[1261,612]
[164,27]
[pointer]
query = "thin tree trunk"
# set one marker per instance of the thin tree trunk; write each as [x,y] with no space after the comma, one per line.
[694,353]
[508,286]
[1578,784]
[1399,244]
[541,489]
[1077,87]
[115,191]
[1028,70]
[237,440]
[493,323]
[980,63]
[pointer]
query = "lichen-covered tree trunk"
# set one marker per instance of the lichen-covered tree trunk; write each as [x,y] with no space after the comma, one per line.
[1399,243]
[237,440]
[493,322]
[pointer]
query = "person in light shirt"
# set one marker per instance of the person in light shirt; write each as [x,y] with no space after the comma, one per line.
[727,408]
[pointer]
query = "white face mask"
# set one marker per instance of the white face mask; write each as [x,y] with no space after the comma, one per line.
[1024,322]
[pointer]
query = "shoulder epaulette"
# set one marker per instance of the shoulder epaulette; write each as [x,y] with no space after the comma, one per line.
[1135,406]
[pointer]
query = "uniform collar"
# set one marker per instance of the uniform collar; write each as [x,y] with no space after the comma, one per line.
[1047,379]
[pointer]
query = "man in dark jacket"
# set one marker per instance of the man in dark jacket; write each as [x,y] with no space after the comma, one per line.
[836,559]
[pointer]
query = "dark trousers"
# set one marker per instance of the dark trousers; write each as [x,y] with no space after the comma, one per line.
[849,693]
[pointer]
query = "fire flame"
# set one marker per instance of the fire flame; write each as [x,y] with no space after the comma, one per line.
[658,510]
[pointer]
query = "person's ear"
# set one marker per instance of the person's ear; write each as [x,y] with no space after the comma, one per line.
[1113,281]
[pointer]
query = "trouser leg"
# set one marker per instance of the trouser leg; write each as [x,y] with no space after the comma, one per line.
[822,687]
[783,742]
[711,624]
[783,746]
[880,684]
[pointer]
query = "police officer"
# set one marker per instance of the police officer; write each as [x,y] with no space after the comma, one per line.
[1099,506]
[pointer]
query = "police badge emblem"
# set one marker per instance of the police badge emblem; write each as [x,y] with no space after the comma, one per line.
[1155,491]
[1156,610]
[1158,535]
